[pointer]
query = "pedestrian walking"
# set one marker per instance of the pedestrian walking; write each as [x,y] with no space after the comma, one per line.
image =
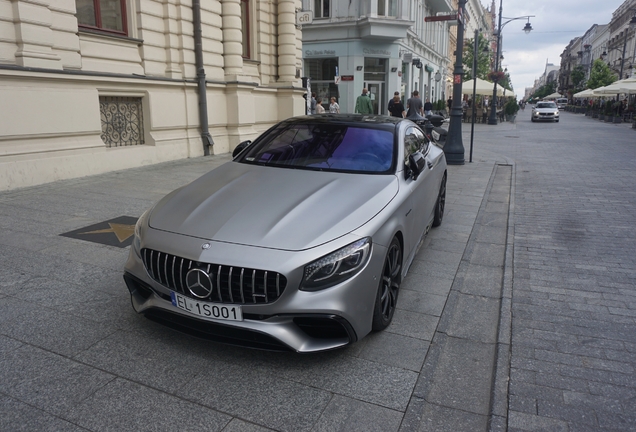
[396,107]
[334,108]
[428,108]
[414,105]
[363,103]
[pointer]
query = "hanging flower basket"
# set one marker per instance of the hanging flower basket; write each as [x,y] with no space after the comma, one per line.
[496,76]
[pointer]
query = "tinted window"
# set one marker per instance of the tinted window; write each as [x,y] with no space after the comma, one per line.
[325,147]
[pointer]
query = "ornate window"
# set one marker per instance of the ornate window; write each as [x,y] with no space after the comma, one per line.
[105,15]
[321,8]
[245,26]
[122,121]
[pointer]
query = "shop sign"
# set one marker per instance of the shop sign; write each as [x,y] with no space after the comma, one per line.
[347,77]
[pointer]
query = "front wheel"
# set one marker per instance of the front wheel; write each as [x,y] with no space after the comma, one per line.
[387,295]
[440,204]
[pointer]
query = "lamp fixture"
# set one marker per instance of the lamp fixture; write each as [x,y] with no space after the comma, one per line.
[358,68]
[528,27]
[393,69]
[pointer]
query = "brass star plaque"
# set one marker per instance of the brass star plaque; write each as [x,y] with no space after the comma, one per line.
[115,232]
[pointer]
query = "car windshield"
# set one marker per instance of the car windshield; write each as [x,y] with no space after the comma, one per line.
[324,147]
[546,105]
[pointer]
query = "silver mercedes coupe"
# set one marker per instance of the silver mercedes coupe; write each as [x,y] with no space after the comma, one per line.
[300,242]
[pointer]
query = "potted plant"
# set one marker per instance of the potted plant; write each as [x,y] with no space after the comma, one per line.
[609,111]
[510,109]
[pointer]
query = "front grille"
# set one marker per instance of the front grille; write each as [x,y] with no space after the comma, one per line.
[236,285]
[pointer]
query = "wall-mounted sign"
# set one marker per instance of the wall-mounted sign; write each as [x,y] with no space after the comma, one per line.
[309,53]
[304,17]
[347,78]
[376,51]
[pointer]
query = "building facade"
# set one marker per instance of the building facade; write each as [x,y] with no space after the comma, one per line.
[90,86]
[382,45]
[620,50]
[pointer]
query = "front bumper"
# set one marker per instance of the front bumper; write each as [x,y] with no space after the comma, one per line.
[298,320]
[545,117]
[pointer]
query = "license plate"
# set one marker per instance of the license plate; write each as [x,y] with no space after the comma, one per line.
[207,309]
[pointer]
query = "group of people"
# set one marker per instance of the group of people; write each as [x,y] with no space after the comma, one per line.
[317,108]
[364,105]
[414,106]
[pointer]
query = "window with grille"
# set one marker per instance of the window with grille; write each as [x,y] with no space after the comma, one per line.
[105,15]
[122,121]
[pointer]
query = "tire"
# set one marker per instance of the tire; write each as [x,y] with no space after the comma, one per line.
[440,204]
[389,287]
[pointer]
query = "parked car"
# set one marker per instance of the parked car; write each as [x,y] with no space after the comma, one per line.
[545,111]
[300,242]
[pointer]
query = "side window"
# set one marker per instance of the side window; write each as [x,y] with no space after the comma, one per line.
[105,15]
[414,141]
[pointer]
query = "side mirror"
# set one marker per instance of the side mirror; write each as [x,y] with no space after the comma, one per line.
[417,162]
[239,148]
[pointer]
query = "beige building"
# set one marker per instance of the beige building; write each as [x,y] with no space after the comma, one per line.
[90,86]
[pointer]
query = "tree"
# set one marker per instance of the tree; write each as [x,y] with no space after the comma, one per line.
[578,78]
[483,58]
[544,90]
[601,75]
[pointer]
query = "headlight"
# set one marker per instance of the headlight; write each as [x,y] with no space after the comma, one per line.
[137,238]
[336,267]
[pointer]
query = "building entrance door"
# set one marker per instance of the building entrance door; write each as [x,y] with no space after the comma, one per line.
[376,92]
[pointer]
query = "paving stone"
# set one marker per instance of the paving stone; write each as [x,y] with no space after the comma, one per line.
[565,412]
[124,405]
[382,347]
[18,416]
[236,425]
[433,417]
[48,381]
[421,302]
[346,414]
[528,422]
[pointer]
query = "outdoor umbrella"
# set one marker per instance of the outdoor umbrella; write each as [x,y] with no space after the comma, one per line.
[554,96]
[483,88]
[587,93]
[623,86]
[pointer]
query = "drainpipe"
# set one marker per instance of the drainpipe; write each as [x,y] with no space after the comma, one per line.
[203,99]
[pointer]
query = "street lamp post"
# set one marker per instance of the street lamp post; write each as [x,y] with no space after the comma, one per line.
[492,120]
[454,147]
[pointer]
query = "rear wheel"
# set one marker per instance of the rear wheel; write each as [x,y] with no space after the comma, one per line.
[440,204]
[387,295]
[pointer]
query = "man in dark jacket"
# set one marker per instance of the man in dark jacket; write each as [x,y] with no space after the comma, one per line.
[396,107]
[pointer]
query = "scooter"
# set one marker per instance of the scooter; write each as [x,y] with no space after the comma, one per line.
[432,127]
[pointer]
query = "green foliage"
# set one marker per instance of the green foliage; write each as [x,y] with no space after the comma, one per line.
[544,90]
[609,107]
[511,106]
[601,75]
[578,78]
[483,58]
[440,105]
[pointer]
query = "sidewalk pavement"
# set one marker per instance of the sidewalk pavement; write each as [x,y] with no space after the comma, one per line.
[74,355]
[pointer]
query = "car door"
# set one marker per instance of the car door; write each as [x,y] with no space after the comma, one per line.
[420,187]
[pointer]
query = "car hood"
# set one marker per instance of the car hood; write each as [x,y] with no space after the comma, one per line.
[548,110]
[272,207]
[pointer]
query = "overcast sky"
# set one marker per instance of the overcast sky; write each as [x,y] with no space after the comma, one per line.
[555,24]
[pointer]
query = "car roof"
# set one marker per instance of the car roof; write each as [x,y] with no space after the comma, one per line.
[375,121]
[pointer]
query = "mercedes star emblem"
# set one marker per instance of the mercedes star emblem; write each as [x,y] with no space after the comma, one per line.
[199,283]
